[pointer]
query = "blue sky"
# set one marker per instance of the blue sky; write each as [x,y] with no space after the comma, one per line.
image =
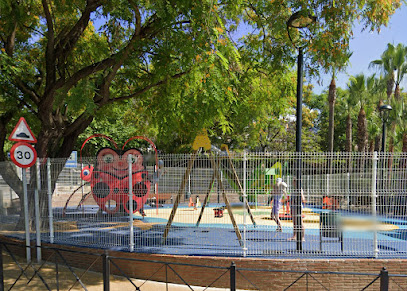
[368,46]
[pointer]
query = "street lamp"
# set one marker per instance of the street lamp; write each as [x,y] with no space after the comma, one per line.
[299,20]
[384,111]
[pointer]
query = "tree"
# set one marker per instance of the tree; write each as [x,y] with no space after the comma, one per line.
[398,116]
[77,59]
[386,66]
[66,62]
[393,64]
[400,66]
[326,43]
[357,89]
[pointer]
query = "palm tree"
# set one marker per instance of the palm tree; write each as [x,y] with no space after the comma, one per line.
[378,93]
[400,65]
[347,102]
[358,90]
[331,101]
[398,116]
[373,128]
[386,65]
[393,64]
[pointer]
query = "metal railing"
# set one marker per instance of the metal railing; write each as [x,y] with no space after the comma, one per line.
[239,277]
[217,203]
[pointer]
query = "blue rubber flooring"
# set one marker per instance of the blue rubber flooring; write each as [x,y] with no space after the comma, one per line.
[221,240]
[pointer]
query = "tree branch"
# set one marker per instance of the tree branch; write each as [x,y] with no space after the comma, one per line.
[103,94]
[11,40]
[26,90]
[84,72]
[49,54]
[66,42]
[137,15]
[59,48]
[110,62]
[145,89]
[79,122]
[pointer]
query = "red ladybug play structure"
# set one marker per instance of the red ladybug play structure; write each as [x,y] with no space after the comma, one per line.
[109,177]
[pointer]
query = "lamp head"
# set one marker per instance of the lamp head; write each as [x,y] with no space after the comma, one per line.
[385,107]
[301,19]
[384,111]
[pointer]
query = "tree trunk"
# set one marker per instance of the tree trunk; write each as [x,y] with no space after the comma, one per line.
[348,144]
[331,100]
[404,149]
[390,84]
[403,160]
[397,92]
[371,145]
[362,130]
[377,143]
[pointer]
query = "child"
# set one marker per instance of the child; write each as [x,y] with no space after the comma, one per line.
[279,190]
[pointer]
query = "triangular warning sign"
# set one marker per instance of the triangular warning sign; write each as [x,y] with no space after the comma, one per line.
[22,132]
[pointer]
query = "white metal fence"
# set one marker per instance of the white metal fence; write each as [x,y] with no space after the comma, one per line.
[356,204]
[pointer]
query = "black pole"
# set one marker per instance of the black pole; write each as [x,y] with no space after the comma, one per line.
[384,136]
[298,148]
[382,203]
[1,268]
[233,276]
[299,101]
[384,279]
[106,272]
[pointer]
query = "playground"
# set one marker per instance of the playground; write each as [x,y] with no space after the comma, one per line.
[215,236]
[214,202]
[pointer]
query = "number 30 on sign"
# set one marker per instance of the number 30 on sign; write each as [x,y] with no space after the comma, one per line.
[23,155]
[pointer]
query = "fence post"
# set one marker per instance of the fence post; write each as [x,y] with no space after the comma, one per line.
[374,198]
[245,202]
[50,213]
[130,163]
[233,276]
[347,190]
[384,279]
[327,185]
[106,272]
[1,268]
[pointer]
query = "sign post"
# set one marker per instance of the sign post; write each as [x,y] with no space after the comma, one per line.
[26,217]
[24,156]
[37,213]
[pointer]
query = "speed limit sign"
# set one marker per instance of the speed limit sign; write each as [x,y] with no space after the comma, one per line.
[23,155]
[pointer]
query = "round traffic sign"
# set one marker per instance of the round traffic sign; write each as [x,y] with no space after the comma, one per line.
[23,155]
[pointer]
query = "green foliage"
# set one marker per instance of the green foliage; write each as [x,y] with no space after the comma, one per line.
[166,69]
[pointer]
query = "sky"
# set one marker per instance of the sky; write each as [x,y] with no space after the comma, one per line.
[368,46]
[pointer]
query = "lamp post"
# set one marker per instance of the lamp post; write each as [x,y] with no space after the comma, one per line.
[384,112]
[299,20]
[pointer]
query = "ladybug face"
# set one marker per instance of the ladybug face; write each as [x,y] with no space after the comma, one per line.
[110,162]
[86,173]
[110,180]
